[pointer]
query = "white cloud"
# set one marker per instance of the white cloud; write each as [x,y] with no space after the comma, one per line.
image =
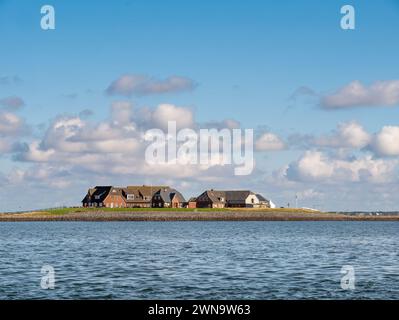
[224,124]
[355,94]
[269,142]
[11,124]
[386,142]
[318,167]
[311,166]
[167,112]
[35,154]
[122,112]
[60,136]
[114,148]
[40,176]
[11,128]
[309,194]
[132,84]
[348,135]
[5,146]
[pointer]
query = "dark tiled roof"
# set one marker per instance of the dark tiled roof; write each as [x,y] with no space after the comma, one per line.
[178,195]
[261,198]
[232,196]
[97,194]
[117,191]
[142,193]
[167,194]
[237,195]
[216,196]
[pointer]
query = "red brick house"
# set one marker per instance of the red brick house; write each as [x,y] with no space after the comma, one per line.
[230,199]
[211,199]
[168,198]
[141,196]
[192,203]
[116,198]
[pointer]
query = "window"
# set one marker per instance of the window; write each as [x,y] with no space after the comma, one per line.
[130,197]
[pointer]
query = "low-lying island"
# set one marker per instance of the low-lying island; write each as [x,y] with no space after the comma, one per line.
[105,214]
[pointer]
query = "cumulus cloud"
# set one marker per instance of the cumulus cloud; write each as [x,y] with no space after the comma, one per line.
[12,127]
[356,94]
[167,112]
[41,176]
[11,124]
[386,142]
[5,146]
[33,152]
[269,142]
[12,102]
[115,147]
[122,112]
[224,124]
[315,166]
[140,85]
[348,135]
[309,194]
[311,166]
[74,137]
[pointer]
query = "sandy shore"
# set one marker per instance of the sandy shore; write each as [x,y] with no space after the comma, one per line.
[235,215]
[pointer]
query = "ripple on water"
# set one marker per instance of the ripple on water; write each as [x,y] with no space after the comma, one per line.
[199,260]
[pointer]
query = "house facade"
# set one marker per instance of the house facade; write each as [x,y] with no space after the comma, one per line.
[141,196]
[95,196]
[168,198]
[230,199]
[192,203]
[133,197]
[241,199]
[116,198]
[211,199]
[264,203]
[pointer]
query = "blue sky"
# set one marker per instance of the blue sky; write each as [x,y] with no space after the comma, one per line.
[247,59]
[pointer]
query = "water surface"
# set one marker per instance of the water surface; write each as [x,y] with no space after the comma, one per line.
[199,260]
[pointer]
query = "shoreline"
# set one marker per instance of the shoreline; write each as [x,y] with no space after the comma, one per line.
[227,215]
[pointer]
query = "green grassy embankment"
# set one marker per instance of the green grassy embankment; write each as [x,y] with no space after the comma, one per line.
[172,214]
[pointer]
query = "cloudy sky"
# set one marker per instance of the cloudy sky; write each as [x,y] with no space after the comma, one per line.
[324,102]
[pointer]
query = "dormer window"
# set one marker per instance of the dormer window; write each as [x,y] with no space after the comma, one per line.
[97,197]
[130,197]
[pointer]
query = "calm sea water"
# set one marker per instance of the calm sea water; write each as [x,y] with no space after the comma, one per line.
[199,260]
